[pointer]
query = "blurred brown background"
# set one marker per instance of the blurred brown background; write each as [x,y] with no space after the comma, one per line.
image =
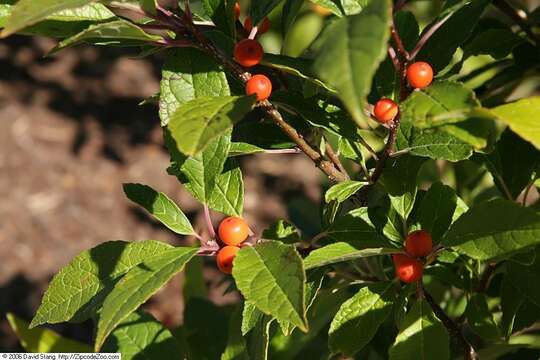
[71,132]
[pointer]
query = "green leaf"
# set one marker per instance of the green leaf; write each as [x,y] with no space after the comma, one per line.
[498,43]
[339,252]
[241,148]
[440,48]
[250,317]
[342,191]
[352,48]
[453,109]
[480,318]
[222,14]
[259,339]
[271,276]
[291,8]
[383,217]
[117,32]
[421,336]
[439,208]
[189,74]
[520,116]
[494,229]
[43,340]
[137,286]
[297,66]
[199,173]
[524,280]
[330,5]
[160,206]
[432,143]
[29,12]
[77,291]
[228,194]
[236,344]
[352,7]
[512,163]
[142,336]
[260,8]
[359,318]
[282,231]
[352,229]
[205,326]
[196,123]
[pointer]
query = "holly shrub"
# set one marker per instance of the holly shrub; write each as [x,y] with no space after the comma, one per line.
[458,159]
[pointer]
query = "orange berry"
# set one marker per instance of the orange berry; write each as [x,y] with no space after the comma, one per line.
[233,231]
[237,10]
[225,258]
[420,75]
[259,85]
[264,26]
[418,243]
[408,269]
[248,52]
[385,110]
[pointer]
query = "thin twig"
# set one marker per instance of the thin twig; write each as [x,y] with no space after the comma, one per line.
[427,35]
[388,150]
[393,56]
[283,151]
[399,43]
[209,224]
[399,4]
[526,193]
[334,158]
[518,18]
[455,332]
[486,277]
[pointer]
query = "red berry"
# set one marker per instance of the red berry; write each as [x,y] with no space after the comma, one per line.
[264,26]
[233,231]
[259,85]
[420,75]
[237,10]
[225,258]
[385,110]
[419,243]
[248,52]
[408,269]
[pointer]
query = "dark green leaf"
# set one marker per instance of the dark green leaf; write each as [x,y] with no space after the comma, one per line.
[142,336]
[282,231]
[43,340]
[236,344]
[494,229]
[359,318]
[351,229]
[480,318]
[352,48]
[421,336]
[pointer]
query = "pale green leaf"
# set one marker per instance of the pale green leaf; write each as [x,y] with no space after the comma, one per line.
[228,194]
[189,74]
[44,340]
[117,32]
[160,206]
[271,276]
[342,191]
[29,12]
[282,231]
[196,123]
[137,286]
[521,117]
[339,252]
[77,291]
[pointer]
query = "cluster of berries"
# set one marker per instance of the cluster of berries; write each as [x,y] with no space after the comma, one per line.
[419,76]
[417,245]
[248,53]
[232,232]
